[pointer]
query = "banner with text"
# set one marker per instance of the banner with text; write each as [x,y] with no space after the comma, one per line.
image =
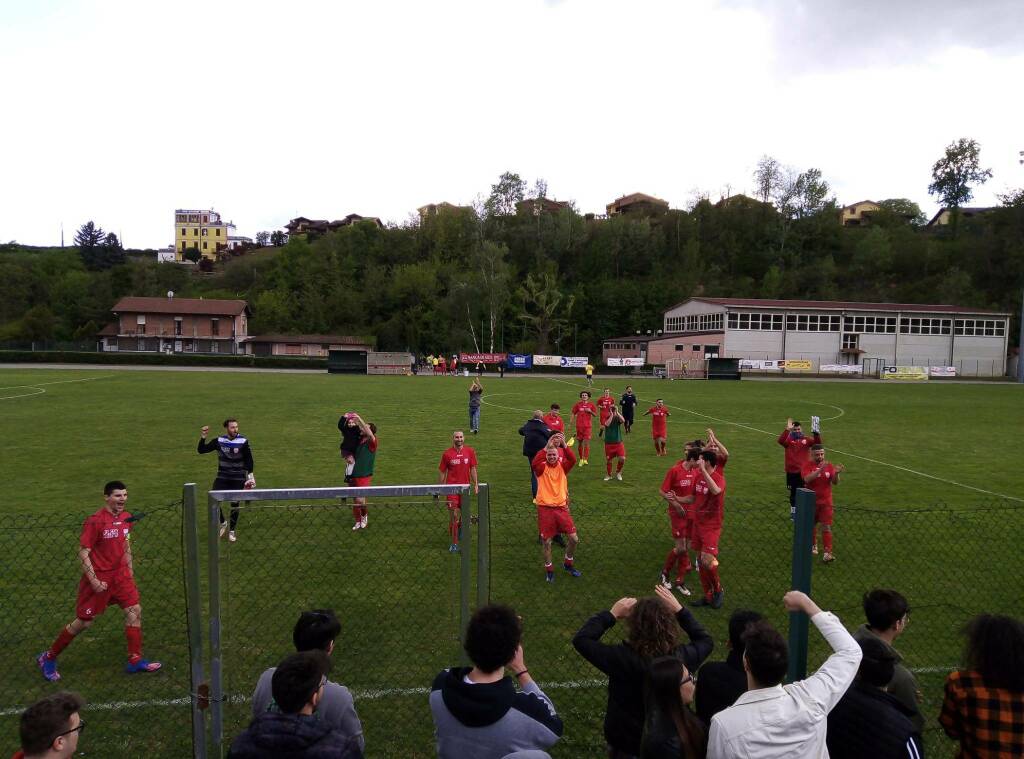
[481,358]
[520,361]
[541,360]
[626,361]
[908,373]
[574,362]
[797,365]
[942,371]
[841,369]
[753,363]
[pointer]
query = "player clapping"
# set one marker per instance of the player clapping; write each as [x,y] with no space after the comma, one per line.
[819,475]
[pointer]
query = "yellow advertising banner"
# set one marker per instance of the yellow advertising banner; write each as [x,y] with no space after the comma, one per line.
[910,373]
[798,365]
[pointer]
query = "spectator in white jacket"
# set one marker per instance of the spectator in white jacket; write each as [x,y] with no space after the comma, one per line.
[775,720]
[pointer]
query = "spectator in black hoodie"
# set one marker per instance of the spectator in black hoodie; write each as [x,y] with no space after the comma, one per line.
[671,730]
[653,632]
[720,683]
[535,437]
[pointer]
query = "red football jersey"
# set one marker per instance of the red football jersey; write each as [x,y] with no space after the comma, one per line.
[709,508]
[106,537]
[580,413]
[555,422]
[457,464]
[797,450]
[822,484]
[681,481]
[659,418]
[605,403]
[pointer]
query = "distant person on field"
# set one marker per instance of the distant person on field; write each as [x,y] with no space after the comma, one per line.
[583,413]
[614,447]
[51,727]
[588,371]
[720,683]
[351,432]
[458,467]
[798,452]
[108,577]
[867,721]
[295,728]
[819,475]
[659,414]
[983,707]
[605,404]
[671,730]
[477,711]
[316,630]
[774,720]
[363,461]
[476,390]
[234,467]
[888,613]
[628,403]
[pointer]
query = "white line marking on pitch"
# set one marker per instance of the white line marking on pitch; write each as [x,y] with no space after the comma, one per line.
[507,408]
[40,385]
[836,450]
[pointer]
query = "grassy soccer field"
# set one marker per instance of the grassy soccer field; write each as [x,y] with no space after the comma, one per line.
[395,585]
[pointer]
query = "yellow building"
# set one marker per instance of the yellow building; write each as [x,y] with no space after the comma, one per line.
[201,229]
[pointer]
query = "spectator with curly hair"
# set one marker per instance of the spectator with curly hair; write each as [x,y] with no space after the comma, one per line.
[984,704]
[653,625]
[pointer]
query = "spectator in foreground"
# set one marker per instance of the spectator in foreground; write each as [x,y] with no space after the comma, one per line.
[887,613]
[654,625]
[671,730]
[720,683]
[772,720]
[50,728]
[478,713]
[984,705]
[867,721]
[295,730]
[316,630]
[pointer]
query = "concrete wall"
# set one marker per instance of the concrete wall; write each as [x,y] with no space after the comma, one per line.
[759,344]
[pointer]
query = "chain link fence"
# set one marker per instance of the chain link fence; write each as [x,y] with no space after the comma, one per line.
[128,715]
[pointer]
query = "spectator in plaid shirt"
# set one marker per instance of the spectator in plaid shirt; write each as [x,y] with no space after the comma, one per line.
[984,705]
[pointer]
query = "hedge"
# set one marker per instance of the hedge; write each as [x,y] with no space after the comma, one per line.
[159,359]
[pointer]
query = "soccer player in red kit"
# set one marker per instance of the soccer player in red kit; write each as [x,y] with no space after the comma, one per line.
[457,467]
[798,448]
[583,414]
[820,476]
[708,508]
[553,419]
[605,404]
[678,490]
[108,577]
[659,426]
[551,467]
[714,444]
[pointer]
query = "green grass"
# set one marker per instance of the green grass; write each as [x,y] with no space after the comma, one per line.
[396,587]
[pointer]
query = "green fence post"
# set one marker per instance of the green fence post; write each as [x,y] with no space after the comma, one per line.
[803,529]
[193,601]
[216,683]
[483,548]
[465,555]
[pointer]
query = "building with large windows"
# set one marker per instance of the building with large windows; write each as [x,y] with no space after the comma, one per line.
[832,332]
[200,229]
[176,325]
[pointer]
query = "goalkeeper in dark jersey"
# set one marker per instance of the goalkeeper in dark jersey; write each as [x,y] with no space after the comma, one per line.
[234,468]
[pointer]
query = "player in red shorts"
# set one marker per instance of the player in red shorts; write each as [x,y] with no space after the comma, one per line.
[583,414]
[551,467]
[798,449]
[708,510]
[605,404]
[820,476]
[614,448]
[362,468]
[659,426]
[457,467]
[108,577]
[678,490]
[553,419]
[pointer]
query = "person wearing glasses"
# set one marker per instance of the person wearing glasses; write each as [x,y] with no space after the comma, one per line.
[294,728]
[671,729]
[50,728]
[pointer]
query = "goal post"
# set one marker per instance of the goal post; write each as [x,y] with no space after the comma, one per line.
[686,368]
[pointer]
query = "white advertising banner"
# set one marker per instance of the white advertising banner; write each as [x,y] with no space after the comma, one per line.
[841,369]
[625,362]
[942,371]
[540,360]
[753,363]
[572,362]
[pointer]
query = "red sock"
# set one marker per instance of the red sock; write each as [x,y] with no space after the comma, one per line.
[134,636]
[670,561]
[619,466]
[608,467]
[453,531]
[357,512]
[705,581]
[549,567]
[568,561]
[716,581]
[684,563]
[826,535]
[62,642]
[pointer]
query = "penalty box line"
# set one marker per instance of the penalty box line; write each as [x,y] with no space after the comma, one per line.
[836,450]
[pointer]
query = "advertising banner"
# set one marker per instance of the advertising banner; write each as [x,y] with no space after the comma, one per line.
[520,361]
[574,362]
[753,363]
[841,369]
[797,364]
[908,373]
[481,358]
[626,361]
[541,360]
[942,371]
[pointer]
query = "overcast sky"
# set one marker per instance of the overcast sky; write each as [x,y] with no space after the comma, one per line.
[121,112]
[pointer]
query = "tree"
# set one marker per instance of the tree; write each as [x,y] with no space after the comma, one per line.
[99,250]
[192,254]
[810,193]
[262,238]
[767,177]
[1012,198]
[277,238]
[541,307]
[509,190]
[905,208]
[38,323]
[956,171]
[540,188]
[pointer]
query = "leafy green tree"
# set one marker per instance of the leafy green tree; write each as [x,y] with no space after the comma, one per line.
[767,178]
[956,171]
[904,208]
[262,238]
[38,323]
[192,254]
[277,238]
[505,193]
[810,193]
[543,307]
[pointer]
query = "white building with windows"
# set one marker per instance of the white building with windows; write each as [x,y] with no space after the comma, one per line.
[832,332]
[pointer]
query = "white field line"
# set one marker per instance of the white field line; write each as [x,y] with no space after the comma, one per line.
[38,386]
[836,450]
[507,408]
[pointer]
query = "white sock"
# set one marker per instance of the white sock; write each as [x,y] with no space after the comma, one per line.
[349,468]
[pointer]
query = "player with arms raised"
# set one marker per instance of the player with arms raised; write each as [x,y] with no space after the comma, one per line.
[583,414]
[798,449]
[457,467]
[361,475]
[551,466]
[234,467]
[659,426]
[819,475]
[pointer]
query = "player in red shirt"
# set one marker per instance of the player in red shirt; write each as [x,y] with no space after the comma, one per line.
[659,426]
[708,510]
[457,467]
[105,553]
[583,414]
[820,476]
[553,419]
[798,448]
[605,404]
[714,444]
[678,490]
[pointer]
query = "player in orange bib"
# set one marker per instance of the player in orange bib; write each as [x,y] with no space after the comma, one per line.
[552,466]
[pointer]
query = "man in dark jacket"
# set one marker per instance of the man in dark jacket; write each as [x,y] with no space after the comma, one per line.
[867,721]
[294,730]
[720,683]
[535,437]
[478,714]
[627,669]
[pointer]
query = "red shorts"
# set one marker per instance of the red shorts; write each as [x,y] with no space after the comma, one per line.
[360,482]
[659,433]
[584,433]
[681,526]
[611,450]
[553,520]
[823,514]
[705,538]
[454,502]
[121,591]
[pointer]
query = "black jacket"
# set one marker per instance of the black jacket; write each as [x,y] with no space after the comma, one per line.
[719,684]
[274,735]
[535,436]
[868,722]
[626,670]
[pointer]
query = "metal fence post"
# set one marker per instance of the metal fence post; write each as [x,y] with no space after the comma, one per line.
[216,683]
[465,555]
[193,602]
[483,549]
[798,621]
